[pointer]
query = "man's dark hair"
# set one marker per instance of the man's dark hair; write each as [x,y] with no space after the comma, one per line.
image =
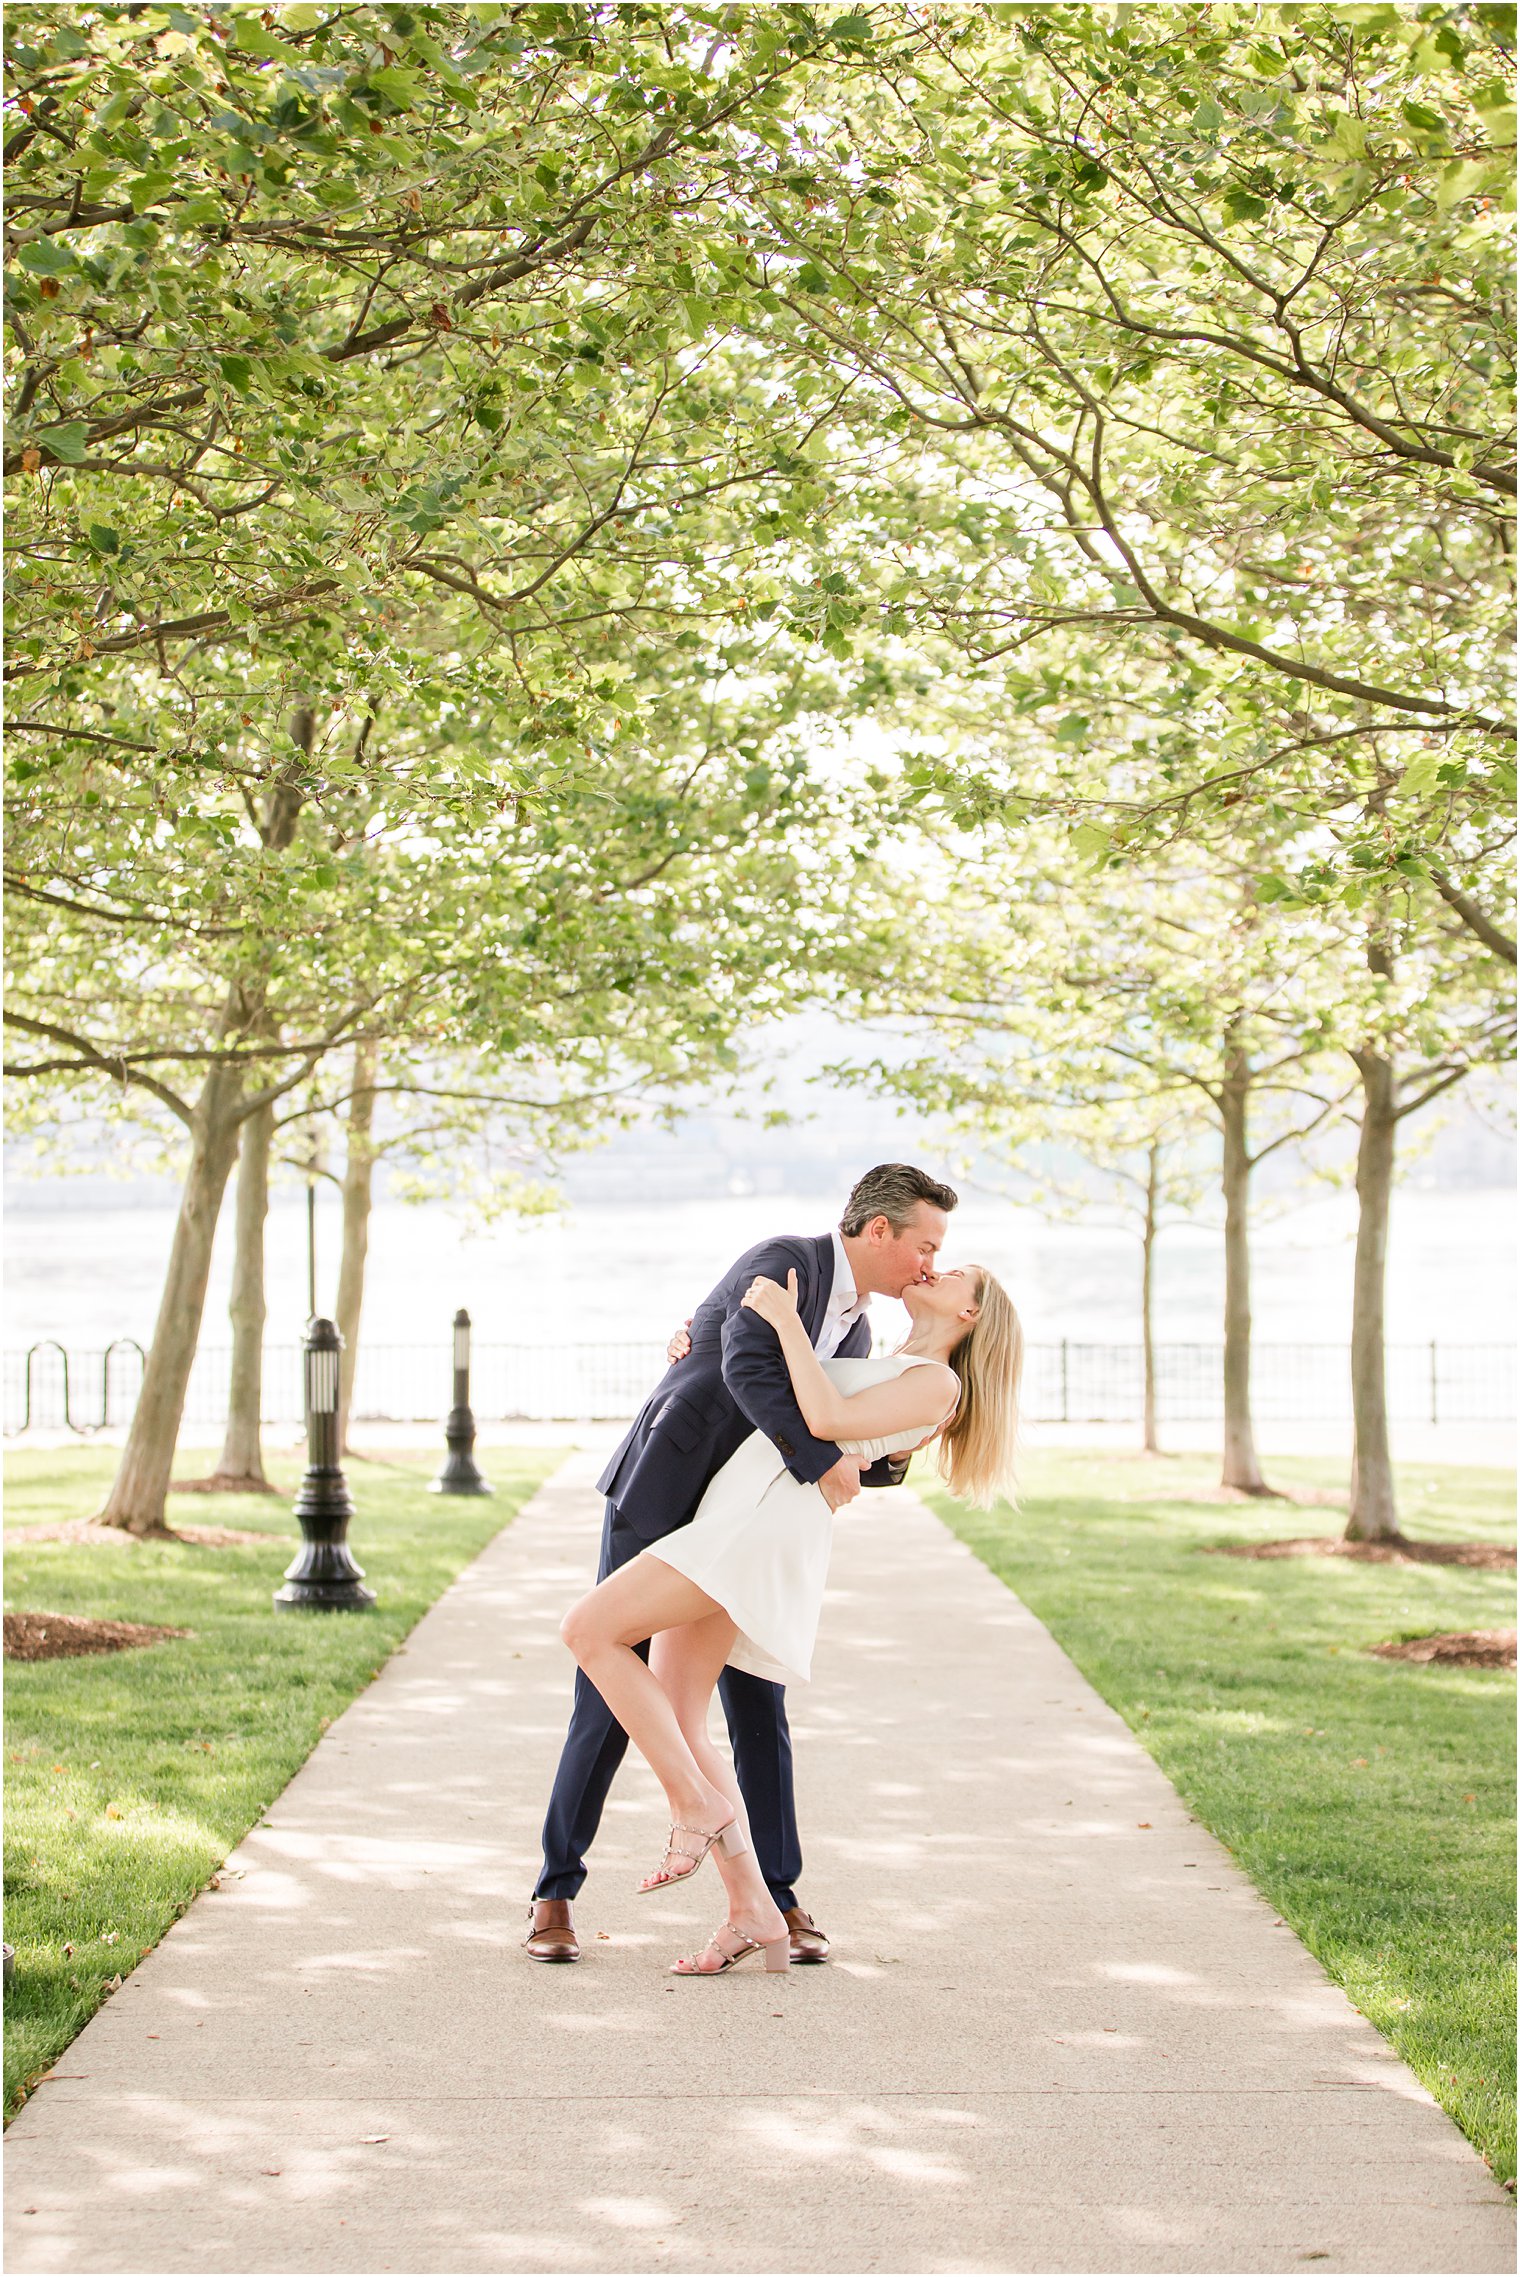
[893,1190]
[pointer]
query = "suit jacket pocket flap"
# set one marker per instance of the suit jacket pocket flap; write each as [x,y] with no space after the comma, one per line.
[683,1425]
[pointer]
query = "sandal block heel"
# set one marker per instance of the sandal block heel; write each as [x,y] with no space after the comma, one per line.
[729,1946]
[731,1842]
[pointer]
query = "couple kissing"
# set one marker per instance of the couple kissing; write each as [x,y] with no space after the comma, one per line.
[718,1529]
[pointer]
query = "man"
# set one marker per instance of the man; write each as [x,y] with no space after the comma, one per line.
[735,1381]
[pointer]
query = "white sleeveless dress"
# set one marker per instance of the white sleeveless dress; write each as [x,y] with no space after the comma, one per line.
[760,1541]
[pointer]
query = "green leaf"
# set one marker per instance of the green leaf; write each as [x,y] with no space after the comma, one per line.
[1421,773]
[46,258]
[237,371]
[1349,138]
[401,87]
[251,37]
[65,442]
[1463,178]
[148,189]
[103,538]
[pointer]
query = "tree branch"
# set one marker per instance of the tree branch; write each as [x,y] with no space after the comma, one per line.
[91,1060]
[1473,917]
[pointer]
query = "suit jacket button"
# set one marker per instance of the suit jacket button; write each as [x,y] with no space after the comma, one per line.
[784,1447]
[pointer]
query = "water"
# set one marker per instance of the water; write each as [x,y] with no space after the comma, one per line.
[616,1272]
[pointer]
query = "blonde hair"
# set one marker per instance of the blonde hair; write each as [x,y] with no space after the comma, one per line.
[976,1448]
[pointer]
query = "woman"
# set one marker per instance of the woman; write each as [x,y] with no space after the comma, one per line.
[743,1583]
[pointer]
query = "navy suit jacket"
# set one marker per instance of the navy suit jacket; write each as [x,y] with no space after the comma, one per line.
[733,1381]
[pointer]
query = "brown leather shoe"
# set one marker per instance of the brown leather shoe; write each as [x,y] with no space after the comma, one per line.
[808,1940]
[551,1931]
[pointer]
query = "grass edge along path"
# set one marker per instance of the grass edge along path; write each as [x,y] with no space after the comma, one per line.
[129,1776]
[1371,1802]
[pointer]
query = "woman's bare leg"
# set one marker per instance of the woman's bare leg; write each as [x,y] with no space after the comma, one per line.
[687,1663]
[644,1599]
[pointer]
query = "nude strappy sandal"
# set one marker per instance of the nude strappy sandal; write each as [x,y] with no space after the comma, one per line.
[728,1838]
[734,1947]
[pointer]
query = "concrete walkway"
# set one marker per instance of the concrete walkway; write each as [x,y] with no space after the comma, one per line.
[1061,2032]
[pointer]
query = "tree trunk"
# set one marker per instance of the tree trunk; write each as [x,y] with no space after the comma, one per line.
[1374,1510]
[240,1467]
[1148,1294]
[136,1500]
[358,1185]
[1241,1468]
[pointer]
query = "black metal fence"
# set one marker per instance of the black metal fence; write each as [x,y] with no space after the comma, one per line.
[1292,1383]
[50,1388]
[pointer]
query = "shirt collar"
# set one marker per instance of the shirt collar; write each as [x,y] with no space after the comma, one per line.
[844,1297]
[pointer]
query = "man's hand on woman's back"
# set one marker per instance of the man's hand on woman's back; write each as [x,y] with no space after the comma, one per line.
[841,1484]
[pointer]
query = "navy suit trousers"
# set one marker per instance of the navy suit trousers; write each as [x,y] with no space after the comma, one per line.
[596,1744]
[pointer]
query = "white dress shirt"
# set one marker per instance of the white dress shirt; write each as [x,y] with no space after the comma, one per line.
[844,1308]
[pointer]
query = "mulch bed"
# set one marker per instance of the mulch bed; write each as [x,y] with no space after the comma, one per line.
[1455,1648]
[116,1537]
[60,1636]
[1491,1557]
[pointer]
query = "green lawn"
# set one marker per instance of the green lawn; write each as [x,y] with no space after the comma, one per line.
[129,1776]
[1371,1801]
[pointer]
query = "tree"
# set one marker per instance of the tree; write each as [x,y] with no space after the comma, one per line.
[1120,390]
[358,1194]
[456,1114]
[239,1469]
[235,1018]
[1139,1170]
[456,1132]
[331,321]
[290,301]
[622,919]
[1427,1015]
[1179,345]
[1046,994]
[433,430]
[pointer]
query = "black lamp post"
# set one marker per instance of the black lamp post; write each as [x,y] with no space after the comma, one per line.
[459,1475]
[324,1577]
